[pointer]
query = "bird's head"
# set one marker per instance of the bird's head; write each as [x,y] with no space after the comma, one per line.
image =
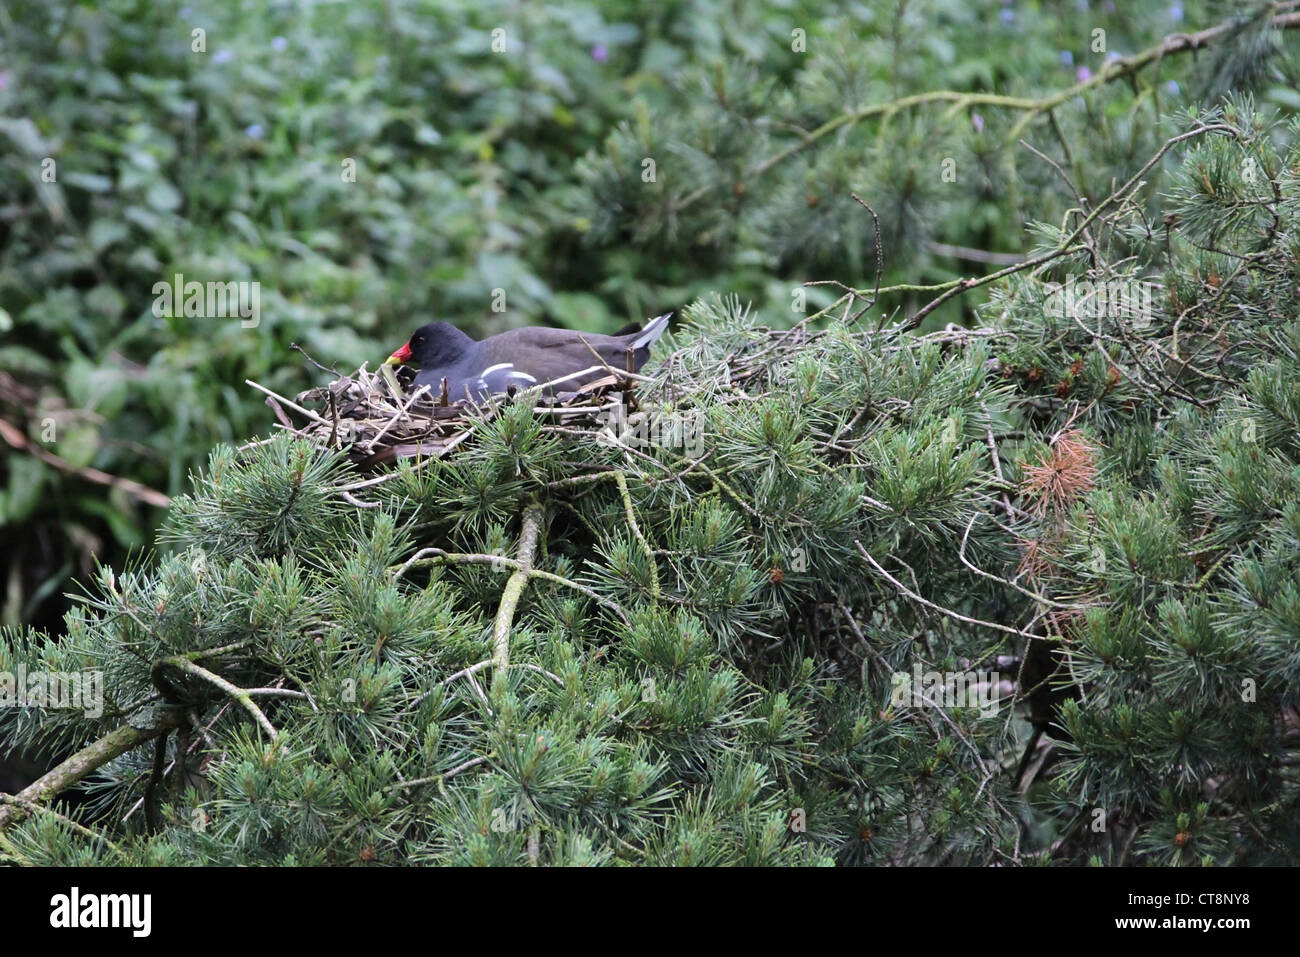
[432,345]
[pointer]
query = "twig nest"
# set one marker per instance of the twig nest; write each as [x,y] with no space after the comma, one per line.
[378,417]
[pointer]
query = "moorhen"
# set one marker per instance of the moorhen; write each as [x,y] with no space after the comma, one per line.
[521,358]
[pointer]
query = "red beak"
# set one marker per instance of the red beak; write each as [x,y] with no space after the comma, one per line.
[401,356]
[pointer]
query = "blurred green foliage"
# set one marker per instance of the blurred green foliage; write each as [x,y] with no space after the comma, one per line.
[133,148]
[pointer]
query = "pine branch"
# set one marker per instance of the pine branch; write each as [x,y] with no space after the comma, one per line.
[436,556]
[84,762]
[183,663]
[1067,245]
[528,536]
[936,607]
[621,481]
[1286,17]
[35,808]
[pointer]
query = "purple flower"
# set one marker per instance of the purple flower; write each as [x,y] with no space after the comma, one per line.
[1083,74]
[254,131]
[4,81]
[1067,58]
[600,53]
[1007,15]
[1112,56]
[1172,88]
[222,56]
[977,121]
[279,43]
[1176,13]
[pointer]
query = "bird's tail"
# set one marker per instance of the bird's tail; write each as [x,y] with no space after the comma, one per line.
[652,331]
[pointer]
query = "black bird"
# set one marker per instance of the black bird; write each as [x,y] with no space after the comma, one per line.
[521,358]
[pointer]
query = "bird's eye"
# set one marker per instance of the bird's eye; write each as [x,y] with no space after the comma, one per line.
[418,340]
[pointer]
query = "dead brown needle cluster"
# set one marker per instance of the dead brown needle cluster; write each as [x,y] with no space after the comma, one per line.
[1063,476]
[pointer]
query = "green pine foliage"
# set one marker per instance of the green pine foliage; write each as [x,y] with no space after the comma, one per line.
[379,163]
[562,647]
